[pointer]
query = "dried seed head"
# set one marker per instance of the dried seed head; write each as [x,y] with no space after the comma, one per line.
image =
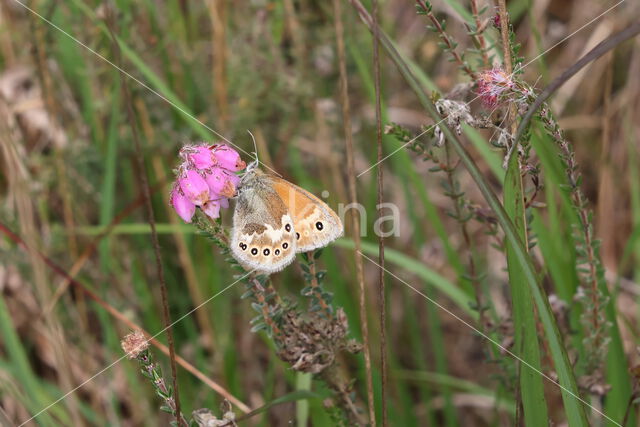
[134,343]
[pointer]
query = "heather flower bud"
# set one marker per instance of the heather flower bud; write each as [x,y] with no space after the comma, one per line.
[202,157]
[228,158]
[212,208]
[194,187]
[183,207]
[229,190]
[216,180]
[233,180]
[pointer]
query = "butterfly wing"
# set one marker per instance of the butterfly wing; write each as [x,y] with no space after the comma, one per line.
[314,222]
[263,236]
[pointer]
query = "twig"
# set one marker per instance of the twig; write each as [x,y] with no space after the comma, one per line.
[315,286]
[508,64]
[478,36]
[446,39]
[456,197]
[344,97]
[381,284]
[146,191]
[261,298]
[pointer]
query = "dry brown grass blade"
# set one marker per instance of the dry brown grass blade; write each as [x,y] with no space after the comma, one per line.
[124,319]
[217,13]
[606,206]
[351,172]
[482,43]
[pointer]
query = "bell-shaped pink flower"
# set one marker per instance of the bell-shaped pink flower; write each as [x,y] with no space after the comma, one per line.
[194,187]
[229,190]
[212,208]
[233,179]
[202,157]
[228,158]
[216,181]
[183,206]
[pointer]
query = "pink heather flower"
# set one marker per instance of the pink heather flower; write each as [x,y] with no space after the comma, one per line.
[492,84]
[229,190]
[222,182]
[202,157]
[233,180]
[206,179]
[194,187]
[228,158]
[216,180]
[183,206]
[212,208]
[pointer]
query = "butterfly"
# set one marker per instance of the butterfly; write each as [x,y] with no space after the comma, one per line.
[275,219]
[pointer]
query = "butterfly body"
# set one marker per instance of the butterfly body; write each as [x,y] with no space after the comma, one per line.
[275,219]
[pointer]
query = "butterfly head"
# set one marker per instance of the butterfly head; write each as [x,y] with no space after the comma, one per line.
[248,177]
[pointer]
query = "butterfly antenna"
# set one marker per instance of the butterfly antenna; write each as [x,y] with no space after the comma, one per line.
[257,161]
[255,147]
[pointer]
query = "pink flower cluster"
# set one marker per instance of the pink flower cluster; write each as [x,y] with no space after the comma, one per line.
[205,178]
[492,84]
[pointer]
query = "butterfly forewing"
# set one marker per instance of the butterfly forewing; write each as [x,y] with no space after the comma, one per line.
[315,223]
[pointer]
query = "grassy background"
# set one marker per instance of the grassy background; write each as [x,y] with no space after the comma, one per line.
[270,66]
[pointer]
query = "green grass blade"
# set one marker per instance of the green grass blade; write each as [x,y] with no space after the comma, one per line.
[303,382]
[526,335]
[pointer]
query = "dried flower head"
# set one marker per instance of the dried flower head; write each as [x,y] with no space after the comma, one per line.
[206,178]
[495,21]
[492,84]
[455,113]
[134,343]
